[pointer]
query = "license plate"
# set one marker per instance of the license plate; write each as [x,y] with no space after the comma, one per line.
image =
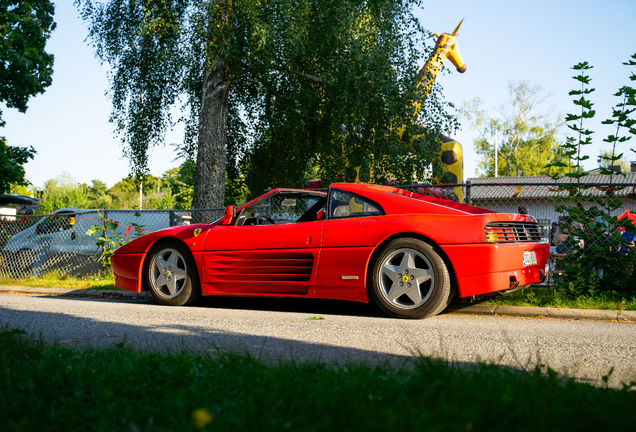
[529,258]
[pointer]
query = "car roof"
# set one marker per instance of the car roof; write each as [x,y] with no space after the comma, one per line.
[392,200]
[399,201]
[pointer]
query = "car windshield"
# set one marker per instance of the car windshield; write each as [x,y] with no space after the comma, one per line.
[283,208]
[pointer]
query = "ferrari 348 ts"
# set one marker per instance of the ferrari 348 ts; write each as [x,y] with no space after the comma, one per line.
[408,252]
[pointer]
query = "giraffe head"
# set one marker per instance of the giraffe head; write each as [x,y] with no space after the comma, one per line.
[446,46]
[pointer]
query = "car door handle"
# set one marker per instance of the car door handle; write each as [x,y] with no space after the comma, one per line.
[308,241]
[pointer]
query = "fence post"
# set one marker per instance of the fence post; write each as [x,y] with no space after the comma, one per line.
[468,186]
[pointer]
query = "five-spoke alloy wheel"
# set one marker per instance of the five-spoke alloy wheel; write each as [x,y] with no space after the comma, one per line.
[410,280]
[171,274]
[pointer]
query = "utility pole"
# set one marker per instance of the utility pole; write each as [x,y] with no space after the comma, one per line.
[140,192]
[496,155]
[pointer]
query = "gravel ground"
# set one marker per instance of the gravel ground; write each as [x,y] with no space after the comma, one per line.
[282,329]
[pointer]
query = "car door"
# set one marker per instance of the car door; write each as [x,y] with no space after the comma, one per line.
[349,236]
[273,247]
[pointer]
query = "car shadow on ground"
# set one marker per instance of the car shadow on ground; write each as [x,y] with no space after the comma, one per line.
[277,304]
[309,306]
[264,304]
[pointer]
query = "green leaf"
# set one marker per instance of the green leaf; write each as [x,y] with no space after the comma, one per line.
[94,229]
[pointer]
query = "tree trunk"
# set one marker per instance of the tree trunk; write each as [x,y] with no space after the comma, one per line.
[209,181]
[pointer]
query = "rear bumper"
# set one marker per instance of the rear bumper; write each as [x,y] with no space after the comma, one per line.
[127,269]
[490,267]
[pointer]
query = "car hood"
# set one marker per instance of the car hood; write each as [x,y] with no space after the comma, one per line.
[191,235]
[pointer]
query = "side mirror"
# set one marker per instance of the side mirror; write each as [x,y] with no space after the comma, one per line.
[230,215]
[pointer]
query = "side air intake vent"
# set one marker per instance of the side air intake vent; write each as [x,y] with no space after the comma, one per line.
[271,266]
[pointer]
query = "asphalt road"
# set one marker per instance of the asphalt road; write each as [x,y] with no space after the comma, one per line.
[275,329]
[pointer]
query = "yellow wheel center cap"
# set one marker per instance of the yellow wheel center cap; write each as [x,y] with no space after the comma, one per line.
[405,278]
[168,273]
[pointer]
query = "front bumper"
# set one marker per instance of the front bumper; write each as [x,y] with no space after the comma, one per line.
[127,269]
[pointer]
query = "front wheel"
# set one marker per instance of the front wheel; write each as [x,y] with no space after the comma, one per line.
[171,275]
[410,280]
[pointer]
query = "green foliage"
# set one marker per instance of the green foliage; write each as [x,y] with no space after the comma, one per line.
[605,254]
[63,192]
[142,46]
[607,159]
[28,190]
[49,386]
[576,122]
[572,297]
[526,139]
[11,161]
[108,239]
[26,69]
[97,194]
[55,278]
[137,228]
[312,83]
[180,181]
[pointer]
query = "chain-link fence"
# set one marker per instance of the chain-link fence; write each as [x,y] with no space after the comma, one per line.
[536,199]
[596,226]
[32,245]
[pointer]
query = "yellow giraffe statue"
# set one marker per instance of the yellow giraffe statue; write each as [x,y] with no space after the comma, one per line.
[452,155]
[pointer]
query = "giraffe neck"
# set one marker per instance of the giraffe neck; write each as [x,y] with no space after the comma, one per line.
[428,73]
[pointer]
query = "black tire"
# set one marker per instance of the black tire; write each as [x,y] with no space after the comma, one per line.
[410,280]
[171,274]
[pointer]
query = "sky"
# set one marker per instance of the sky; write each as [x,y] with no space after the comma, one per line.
[500,41]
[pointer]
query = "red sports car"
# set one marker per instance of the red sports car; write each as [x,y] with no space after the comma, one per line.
[408,252]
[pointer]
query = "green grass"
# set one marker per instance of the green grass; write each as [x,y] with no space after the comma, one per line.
[49,387]
[57,279]
[549,297]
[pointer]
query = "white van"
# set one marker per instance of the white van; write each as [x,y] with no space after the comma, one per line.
[64,232]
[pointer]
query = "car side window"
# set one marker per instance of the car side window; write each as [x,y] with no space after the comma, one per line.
[282,209]
[346,205]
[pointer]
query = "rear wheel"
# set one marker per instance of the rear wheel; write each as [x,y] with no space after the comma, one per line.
[171,274]
[410,280]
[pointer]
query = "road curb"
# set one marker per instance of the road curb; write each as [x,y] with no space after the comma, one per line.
[538,312]
[453,308]
[73,292]
[627,316]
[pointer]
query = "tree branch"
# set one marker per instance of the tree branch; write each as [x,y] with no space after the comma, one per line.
[313,79]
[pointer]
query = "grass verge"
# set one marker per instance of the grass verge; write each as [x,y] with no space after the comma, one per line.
[57,279]
[49,387]
[549,297]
